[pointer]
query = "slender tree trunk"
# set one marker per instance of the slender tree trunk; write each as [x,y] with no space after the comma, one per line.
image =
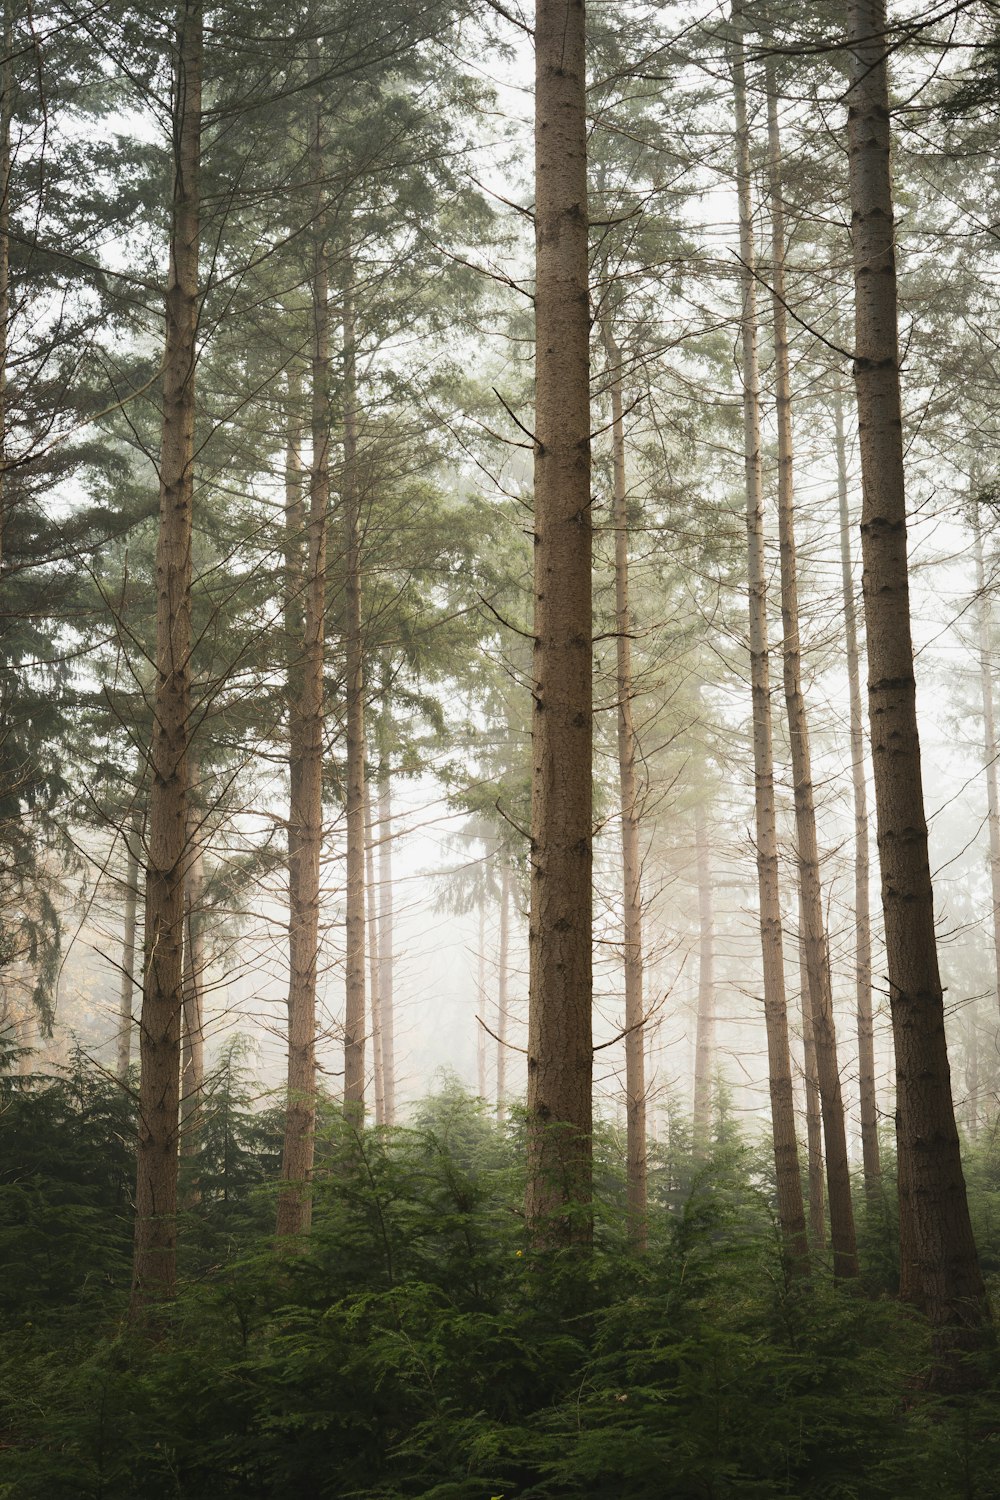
[371,906]
[386,974]
[354,1016]
[503,997]
[704,1048]
[791,1212]
[933,1194]
[6,107]
[305,735]
[481,1005]
[193,982]
[628,758]
[133,848]
[155,1259]
[983,621]
[862,909]
[560,1045]
[838,1170]
[814,1115]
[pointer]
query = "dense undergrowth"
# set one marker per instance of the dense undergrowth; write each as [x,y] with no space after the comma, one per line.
[418,1349]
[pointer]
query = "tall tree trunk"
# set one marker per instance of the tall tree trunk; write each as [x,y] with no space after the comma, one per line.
[503,997]
[305,737]
[386,973]
[481,1005]
[193,991]
[862,909]
[371,907]
[814,1115]
[983,621]
[704,1047]
[155,1259]
[560,1034]
[133,849]
[6,108]
[791,1212]
[354,1013]
[628,757]
[838,1170]
[933,1194]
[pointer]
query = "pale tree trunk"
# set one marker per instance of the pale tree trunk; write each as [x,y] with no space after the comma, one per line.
[193,982]
[814,936]
[814,1116]
[371,906]
[984,622]
[386,971]
[481,1005]
[862,907]
[503,996]
[354,1012]
[305,750]
[628,757]
[932,1185]
[155,1259]
[560,1035]
[704,1047]
[126,996]
[791,1212]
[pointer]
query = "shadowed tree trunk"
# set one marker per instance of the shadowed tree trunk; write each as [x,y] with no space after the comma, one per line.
[354,1016]
[560,1048]
[305,736]
[155,1261]
[704,1048]
[628,758]
[791,1212]
[862,911]
[371,897]
[193,1032]
[814,1117]
[133,848]
[932,1186]
[813,936]
[503,993]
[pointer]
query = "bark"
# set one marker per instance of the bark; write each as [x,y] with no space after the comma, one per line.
[133,849]
[814,936]
[862,910]
[503,998]
[628,759]
[704,1049]
[386,973]
[305,735]
[155,1258]
[983,621]
[354,1012]
[814,1116]
[791,1212]
[560,1045]
[933,1195]
[6,106]
[371,907]
[193,989]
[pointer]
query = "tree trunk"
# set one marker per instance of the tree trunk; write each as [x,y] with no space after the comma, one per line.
[133,848]
[814,1116]
[560,1045]
[503,998]
[305,737]
[704,1048]
[371,907]
[933,1192]
[155,1260]
[838,1170]
[193,988]
[628,757]
[6,108]
[862,910]
[983,620]
[386,974]
[791,1212]
[354,1010]
[481,1005]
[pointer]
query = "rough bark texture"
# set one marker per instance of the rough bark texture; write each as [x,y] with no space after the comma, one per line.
[791,1212]
[560,1047]
[126,997]
[155,1259]
[933,1195]
[813,935]
[628,784]
[371,907]
[193,991]
[386,975]
[305,736]
[983,621]
[503,996]
[354,982]
[862,907]
[704,1046]
[814,1116]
